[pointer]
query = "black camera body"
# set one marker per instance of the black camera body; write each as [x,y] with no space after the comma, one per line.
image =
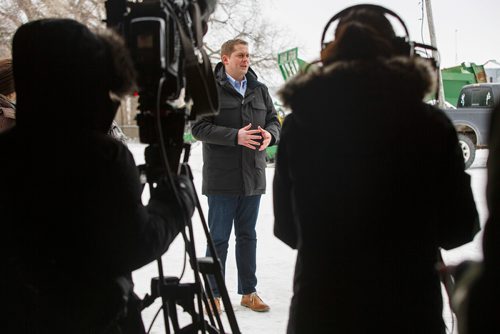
[153,41]
[176,84]
[174,76]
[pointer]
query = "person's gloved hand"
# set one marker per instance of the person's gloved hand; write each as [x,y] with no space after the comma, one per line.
[187,194]
[164,201]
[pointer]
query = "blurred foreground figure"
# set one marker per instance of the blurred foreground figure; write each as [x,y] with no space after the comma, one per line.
[369,202]
[7,95]
[477,296]
[73,221]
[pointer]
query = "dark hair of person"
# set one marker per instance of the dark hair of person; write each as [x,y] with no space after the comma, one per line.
[65,73]
[362,34]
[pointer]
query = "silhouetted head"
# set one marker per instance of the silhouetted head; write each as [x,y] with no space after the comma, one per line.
[361,34]
[65,74]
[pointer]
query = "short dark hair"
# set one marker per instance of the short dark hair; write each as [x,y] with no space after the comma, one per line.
[228,47]
[64,70]
[370,17]
[361,34]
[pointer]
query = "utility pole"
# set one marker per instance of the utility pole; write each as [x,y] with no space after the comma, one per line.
[435,54]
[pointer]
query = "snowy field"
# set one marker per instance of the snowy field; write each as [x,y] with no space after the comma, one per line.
[275,261]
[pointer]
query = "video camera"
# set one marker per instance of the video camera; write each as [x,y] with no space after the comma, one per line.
[175,78]
[175,84]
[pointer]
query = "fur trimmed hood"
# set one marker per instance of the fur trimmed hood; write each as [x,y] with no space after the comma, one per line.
[398,77]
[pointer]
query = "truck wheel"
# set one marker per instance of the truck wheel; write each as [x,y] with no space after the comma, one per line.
[468,149]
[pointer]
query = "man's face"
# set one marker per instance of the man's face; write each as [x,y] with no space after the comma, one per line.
[238,62]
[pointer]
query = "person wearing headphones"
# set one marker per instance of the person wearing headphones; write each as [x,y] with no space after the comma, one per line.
[386,190]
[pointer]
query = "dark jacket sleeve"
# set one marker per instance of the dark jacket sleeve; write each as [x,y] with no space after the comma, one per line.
[458,219]
[285,227]
[140,234]
[207,131]
[273,125]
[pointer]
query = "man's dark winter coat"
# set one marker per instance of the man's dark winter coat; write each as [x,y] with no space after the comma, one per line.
[369,184]
[229,168]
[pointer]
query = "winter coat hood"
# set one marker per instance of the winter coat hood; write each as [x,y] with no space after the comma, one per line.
[397,78]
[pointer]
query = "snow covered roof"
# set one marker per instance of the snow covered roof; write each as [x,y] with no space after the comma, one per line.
[492,64]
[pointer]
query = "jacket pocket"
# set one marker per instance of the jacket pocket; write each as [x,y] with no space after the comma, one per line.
[258,105]
[259,112]
[260,159]
[224,157]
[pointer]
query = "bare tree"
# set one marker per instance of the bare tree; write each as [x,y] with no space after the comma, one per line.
[13,13]
[243,19]
[232,19]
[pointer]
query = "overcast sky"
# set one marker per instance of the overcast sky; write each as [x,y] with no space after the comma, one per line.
[466,31]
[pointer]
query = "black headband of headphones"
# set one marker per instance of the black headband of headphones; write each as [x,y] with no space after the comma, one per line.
[381,9]
[404,43]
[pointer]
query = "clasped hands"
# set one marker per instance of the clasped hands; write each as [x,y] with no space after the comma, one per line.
[253,139]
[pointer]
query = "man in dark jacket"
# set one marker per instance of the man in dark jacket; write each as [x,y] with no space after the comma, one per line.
[234,178]
[73,221]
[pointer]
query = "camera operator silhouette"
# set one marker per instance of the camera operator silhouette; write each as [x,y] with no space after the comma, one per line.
[385,191]
[74,223]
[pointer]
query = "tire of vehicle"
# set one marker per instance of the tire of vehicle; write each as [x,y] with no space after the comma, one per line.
[468,149]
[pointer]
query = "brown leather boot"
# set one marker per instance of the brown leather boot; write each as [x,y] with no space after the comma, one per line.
[217,305]
[254,302]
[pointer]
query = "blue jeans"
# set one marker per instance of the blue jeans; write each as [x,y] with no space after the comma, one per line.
[223,210]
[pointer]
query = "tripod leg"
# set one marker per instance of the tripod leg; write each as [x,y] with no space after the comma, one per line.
[216,267]
[172,311]
[226,301]
[208,266]
[213,307]
[165,317]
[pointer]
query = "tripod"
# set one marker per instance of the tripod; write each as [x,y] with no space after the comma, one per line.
[173,293]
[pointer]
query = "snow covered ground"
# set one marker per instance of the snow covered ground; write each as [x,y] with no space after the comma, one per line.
[275,261]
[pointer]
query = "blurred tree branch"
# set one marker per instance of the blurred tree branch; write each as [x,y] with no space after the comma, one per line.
[14,13]
[243,19]
[232,19]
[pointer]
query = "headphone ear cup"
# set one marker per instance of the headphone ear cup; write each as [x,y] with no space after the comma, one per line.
[323,53]
[402,47]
